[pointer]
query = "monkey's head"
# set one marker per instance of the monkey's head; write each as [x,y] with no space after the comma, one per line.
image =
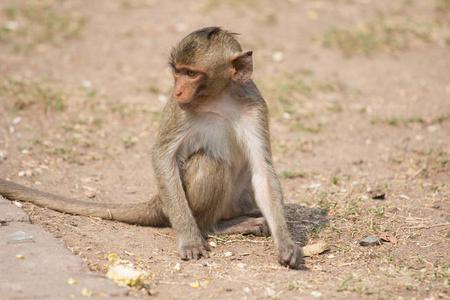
[205,62]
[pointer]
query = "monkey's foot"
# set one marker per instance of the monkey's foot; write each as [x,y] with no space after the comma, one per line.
[291,255]
[193,249]
[244,225]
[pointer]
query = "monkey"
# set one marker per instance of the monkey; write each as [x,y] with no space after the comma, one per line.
[212,156]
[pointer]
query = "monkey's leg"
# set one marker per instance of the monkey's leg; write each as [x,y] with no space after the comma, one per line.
[207,183]
[243,225]
[243,216]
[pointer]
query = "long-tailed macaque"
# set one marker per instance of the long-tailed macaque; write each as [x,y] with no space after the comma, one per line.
[212,157]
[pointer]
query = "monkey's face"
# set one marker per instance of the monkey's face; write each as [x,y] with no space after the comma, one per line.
[195,85]
[190,84]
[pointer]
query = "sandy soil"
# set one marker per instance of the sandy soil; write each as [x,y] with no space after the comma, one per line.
[359,93]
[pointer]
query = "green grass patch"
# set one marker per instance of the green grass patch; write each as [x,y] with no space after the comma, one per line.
[286,93]
[23,94]
[377,36]
[442,6]
[35,23]
[292,174]
[209,5]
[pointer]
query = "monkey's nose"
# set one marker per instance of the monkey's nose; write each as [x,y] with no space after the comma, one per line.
[178,93]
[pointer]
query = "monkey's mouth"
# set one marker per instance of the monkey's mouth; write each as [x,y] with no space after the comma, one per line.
[197,102]
[185,106]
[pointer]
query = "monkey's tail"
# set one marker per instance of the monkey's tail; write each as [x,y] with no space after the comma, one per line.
[144,213]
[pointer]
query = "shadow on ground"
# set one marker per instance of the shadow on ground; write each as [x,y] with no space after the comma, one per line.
[303,220]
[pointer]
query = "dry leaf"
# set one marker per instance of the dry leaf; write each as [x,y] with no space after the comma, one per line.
[316,248]
[386,237]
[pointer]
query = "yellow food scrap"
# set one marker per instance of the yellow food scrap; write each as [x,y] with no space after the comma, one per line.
[72,281]
[20,256]
[199,283]
[86,292]
[124,275]
[204,283]
[312,15]
[113,257]
[177,267]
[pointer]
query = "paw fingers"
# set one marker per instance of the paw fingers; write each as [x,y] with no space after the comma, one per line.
[291,255]
[205,253]
[194,251]
[189,254]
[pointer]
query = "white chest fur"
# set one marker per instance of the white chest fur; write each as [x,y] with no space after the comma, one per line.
[213,130]
[211,134]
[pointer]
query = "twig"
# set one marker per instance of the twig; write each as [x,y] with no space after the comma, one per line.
[430,226]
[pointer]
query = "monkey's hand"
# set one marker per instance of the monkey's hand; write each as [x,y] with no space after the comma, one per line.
[291,255]
[193,248]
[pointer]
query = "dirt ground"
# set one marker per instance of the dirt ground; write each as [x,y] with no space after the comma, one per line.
[359,93]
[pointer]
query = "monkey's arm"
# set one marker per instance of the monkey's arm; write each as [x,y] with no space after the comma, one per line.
[173,198]
[267,188]
[175,206]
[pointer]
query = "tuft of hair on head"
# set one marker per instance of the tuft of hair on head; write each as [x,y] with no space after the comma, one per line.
[207,31]
[199,43]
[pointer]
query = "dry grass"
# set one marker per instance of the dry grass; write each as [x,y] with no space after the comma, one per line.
[23,94]
[383,35]
[28,26]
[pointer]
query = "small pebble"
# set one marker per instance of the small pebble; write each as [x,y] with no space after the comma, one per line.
[270,292]
[177,267]
[86,292]
[286,115]
[16,120]
[377,194]
[277,56]
[314,186]
[162,98]
[90,194]
[72,281]
[18,204]
[11,25]
[316,294]
[25,173]
[3,155]
[228,254]
[86,84]
[370,240]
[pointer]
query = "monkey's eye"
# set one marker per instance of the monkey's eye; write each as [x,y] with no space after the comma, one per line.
[191,73]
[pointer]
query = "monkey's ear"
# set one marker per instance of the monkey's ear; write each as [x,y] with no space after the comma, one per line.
[242,67]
